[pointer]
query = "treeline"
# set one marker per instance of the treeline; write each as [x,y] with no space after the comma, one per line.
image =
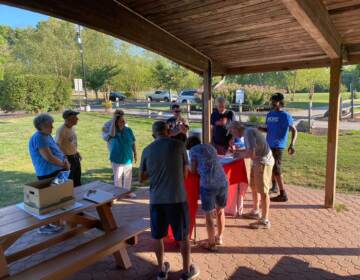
[47,58]
[38,65]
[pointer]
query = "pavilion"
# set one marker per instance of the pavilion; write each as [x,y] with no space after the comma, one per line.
[219,37]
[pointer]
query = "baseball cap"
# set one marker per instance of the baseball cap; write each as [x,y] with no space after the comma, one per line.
[68,113]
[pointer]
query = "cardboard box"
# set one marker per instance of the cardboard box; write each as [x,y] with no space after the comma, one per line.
[41,197]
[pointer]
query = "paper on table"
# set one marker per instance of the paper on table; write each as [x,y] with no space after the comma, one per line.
[50,214]
[98,196]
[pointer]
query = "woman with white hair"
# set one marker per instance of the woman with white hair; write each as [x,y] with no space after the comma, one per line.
[220,119]
[46,156]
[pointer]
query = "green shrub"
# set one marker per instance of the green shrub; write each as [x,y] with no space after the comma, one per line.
[256,119]
[34,93]
[254,95]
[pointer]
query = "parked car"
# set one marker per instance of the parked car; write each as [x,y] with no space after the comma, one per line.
[114,95]
[161,95]
[190,96]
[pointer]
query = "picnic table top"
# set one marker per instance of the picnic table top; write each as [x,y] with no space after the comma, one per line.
[16,221]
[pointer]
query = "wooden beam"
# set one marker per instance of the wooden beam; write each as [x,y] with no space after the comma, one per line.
[207,105]
[313,16]
[116,19]
[333,132]
[284,66]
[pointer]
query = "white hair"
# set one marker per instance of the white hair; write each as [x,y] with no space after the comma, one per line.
[220,99]
[42,119]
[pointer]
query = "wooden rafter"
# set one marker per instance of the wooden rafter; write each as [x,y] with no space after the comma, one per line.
[116,19]
[313,16]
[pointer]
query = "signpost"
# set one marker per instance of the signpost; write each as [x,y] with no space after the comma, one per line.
[239,98]
[78,85]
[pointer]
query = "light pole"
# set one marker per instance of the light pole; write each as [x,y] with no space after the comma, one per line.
[78,39]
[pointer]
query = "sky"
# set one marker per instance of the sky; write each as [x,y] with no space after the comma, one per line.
[15,17]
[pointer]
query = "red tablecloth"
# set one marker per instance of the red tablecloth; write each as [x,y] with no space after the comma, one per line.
[236,173]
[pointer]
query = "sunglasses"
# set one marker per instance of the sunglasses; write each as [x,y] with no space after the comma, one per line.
[177,111]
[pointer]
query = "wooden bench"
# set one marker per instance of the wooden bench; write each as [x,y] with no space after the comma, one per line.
[88,253]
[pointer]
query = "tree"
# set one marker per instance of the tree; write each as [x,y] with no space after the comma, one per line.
[309,78]
[50,48]
[135,74]
[169,75]
[99,77]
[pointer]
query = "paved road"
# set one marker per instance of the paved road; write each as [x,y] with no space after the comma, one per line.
[137,109]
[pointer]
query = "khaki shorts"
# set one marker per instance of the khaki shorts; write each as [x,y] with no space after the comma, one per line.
[260,177]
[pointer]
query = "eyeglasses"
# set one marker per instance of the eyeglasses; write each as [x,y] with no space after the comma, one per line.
[177,111]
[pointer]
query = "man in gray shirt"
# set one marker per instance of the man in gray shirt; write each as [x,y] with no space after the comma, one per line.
[165,163]
[261,171]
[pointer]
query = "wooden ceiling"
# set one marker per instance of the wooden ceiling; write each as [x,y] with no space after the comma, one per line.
[238,36]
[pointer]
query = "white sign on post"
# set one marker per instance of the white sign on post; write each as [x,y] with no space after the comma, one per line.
[239,96]
[78,85]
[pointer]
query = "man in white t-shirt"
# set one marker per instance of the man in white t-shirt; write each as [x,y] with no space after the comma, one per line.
[66,138]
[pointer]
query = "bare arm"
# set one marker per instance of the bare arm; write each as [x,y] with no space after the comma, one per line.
[248,153]
[293,130]
[186,171]
[193,167]
[134,151]
[48,156]
[143,176]
[112,128]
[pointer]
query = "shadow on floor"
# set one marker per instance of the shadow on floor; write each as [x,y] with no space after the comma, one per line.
[309,251]
[287,266]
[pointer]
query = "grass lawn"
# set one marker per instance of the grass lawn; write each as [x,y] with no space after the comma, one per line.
[15,164]
[306,168]
[301,100]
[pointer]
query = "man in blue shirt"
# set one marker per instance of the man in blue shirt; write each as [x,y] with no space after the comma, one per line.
[278,124]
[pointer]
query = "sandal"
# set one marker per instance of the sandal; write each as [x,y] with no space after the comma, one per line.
[212,248]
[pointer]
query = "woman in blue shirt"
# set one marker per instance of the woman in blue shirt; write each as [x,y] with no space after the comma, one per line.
[47,158]
[122,153]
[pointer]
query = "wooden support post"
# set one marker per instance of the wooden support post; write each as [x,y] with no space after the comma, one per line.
[3,264]
[109,224]
[207,105]
[333,133]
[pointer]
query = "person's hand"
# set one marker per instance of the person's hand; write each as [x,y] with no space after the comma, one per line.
[291,150]
[66,164]
[182,128]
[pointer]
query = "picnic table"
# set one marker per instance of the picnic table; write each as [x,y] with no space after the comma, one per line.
[15,222]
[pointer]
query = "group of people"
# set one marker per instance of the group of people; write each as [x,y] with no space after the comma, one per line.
[166,162]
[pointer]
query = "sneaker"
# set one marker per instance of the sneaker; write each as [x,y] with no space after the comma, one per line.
[192,274]
[274,189]
[163,275]
[261,224]
[279,198]
[50,229]
[251,215]
[131,195]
